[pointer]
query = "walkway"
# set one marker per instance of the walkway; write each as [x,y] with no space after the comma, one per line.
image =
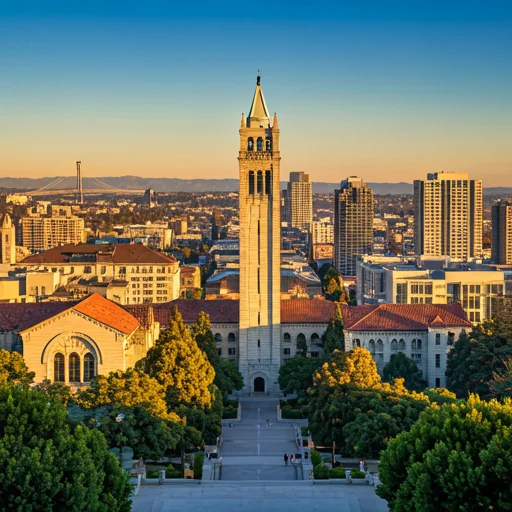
[253,448]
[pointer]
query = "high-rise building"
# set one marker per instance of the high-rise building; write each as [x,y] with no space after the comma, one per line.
[501,213]
[260,238]
[353,224]
[150,198]
[299,200]
[42,232]
[7,241]
[448,216]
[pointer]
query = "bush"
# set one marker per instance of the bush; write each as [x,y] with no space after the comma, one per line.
[355,473]
[198,465]
[291,414]
[231,403]
[230,413]
[321,472]
[337,473]
[316,458]
[172,472]
[153,474]
[304,431]
[289,404]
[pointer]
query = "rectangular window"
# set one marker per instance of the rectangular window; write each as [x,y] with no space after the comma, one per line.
[231,351]
[438,382]
[286,351]
[438,360]
[438,339]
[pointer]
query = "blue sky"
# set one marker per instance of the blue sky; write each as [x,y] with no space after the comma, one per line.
[388,92]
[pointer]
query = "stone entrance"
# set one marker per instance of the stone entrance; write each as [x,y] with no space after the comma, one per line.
[259,385]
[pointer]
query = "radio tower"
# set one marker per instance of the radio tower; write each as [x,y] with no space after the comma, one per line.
[79,190]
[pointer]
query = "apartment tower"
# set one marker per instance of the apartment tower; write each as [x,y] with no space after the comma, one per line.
[260,237]
[353,224]
[299,200]
[448,216]
[501,214]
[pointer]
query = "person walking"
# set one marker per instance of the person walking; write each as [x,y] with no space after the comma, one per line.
[286,459]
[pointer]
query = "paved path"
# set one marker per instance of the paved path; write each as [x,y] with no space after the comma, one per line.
[253,448]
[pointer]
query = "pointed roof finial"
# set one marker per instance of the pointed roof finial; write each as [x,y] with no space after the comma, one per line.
[242,122]
[258,78]
[275,124]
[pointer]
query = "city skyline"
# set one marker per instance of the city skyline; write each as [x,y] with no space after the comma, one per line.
[386,94]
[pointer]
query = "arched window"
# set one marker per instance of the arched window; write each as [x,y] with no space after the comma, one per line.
[58,368]
[356,343]
[259,183]
[287,338]
[218,338]
[315,339]
[401,345]
[74,367]
[251,182]
[379,346]
[231,337]
[250,144]
[89,369]
[259,144]
[268,144]
[394,345]
[371,346]
[301,338]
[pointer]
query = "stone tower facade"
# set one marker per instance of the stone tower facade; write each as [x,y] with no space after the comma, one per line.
[260,239]
[7,241]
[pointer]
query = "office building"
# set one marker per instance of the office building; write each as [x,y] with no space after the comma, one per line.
[299,200]
[150,198]
[501,214]
[353,224]
[448,216]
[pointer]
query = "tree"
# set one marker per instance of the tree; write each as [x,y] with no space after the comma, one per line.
[227,376]
[332,285]
[296,374]
[180,366]
[400,366]
[455,457]
[149,436]
[49,465]
[334,336]
[14,369]
[56,390]
[127,389]
[501,385]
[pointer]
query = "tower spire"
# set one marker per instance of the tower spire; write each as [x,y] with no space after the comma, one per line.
[258,115]
[258,78]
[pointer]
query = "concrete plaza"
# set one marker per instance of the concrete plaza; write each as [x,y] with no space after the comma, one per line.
[254,476]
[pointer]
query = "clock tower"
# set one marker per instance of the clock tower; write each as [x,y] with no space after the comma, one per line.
[260,248]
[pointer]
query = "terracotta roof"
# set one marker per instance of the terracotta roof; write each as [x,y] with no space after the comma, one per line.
[20,317]
[115,253]
[411,317]
[188,270]
[107,312]
[385,317]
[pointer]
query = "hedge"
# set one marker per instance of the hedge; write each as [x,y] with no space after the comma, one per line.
[321,472]
[291,414]
[198,465]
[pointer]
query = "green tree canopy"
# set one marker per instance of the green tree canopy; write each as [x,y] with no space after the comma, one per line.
[400,366]
[48,465]
[334,336]
[227,377]
[14,369]
[180,366]
[149,436]
[127,389]
[501,385]
[296,374]
[332,284]
[455,457]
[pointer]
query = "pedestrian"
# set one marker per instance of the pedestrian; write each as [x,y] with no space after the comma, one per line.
[286,459]
[361,465]
[291,458]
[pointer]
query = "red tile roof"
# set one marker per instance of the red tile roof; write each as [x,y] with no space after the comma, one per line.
[20,317]
[107,312]
[116,253]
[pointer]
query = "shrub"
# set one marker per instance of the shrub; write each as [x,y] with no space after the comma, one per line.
[316,458]
[154,474]
[321,472]
[291,414]
[291,403]
[230,413]
[231,403]
[198,465]
[337,473]
[355,473]
[304,431]
[172,472]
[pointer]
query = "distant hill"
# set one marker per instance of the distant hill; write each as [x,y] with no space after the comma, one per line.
[199,185]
